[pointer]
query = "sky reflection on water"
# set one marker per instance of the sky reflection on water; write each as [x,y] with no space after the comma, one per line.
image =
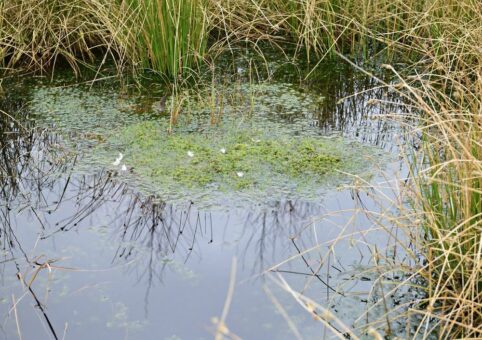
[108,262]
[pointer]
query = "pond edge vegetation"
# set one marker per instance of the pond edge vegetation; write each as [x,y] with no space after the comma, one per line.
[437,45]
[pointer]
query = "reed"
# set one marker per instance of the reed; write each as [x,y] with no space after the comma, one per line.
[440,206]
[173,35]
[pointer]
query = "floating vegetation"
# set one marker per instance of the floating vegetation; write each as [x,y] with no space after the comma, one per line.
[247,151]
[253,158]
[76,109]
[280,100]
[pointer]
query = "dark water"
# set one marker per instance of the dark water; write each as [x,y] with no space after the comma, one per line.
[106,261]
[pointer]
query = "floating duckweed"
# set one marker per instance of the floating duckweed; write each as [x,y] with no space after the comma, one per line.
[273,152]
[253,158]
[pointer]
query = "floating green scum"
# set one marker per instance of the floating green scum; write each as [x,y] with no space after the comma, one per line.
[259,155]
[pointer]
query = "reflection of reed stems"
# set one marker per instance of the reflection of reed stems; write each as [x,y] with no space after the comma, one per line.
[39,305]
[315,274]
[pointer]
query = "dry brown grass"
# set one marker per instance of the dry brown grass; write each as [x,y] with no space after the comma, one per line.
[37,35]
[438,209]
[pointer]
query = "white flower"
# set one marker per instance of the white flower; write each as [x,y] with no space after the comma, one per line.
[123,167]
[240,173]
[190,154]
[118,160]
[222,150]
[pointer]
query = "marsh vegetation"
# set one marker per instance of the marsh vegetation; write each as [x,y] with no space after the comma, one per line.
[330,148]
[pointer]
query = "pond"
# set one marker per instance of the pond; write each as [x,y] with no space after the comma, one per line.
[200,225]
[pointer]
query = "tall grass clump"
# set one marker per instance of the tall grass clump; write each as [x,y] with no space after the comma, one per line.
[167,36]
[442,216]
[445,89]
[37,35]
[438,208]
[320,27]
[451,195]
[173,35]
[447,193]
[444,213]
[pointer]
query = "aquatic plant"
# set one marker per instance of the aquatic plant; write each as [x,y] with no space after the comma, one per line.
[173,35]
[252,158]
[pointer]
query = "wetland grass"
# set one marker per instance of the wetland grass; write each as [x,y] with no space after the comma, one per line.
[447,175]
[438,207]
[364,28]
[173,35]
[440,44]
[445,191]
[166,36]
[39,35]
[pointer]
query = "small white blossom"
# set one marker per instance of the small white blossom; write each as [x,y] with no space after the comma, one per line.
[118,160]
[240,173]
[222,150]
[123,167]
[190,154]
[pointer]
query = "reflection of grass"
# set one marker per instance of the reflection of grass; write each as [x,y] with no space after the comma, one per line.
[262,159]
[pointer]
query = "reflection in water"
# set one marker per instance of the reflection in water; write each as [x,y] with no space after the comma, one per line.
[353,106]
[42,198]
[55,219]
[58,201]
[350,102]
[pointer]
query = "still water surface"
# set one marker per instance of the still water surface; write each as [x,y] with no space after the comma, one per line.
[109,260]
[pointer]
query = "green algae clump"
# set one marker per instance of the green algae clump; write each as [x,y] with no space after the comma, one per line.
[227,159]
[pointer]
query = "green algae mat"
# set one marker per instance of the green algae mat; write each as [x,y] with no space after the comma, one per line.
[253,153]
[230,158]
